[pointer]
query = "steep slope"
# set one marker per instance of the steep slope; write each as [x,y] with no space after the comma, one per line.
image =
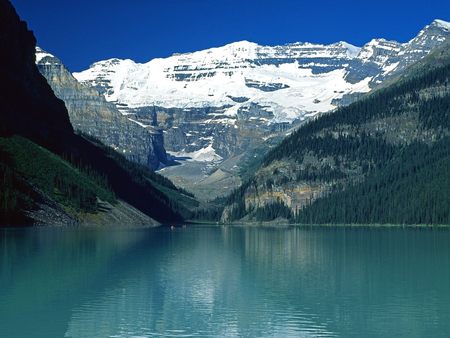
[29,109]
[411,189]
[383,159]
[221,107]
[28,105]
[218,101]
[91,114]
[47,190]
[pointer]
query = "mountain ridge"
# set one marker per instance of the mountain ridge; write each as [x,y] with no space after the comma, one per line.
[46,168]
[243,80]
[91,114]
[230,102]
[383,159]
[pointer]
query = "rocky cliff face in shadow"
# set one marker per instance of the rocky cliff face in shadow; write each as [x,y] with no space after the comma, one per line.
[91,114]
[27,103]
[30,109]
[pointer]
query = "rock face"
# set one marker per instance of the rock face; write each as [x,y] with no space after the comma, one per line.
[27,103]
[358,144]
[91,114]
[30,109]
[223,100]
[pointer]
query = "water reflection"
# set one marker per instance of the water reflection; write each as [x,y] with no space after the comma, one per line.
[225,282]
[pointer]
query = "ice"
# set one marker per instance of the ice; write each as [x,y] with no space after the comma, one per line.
[207,154]
[442,23]
[210,78]
[40,54]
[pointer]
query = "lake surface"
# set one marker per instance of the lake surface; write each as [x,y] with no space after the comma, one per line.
[225,282]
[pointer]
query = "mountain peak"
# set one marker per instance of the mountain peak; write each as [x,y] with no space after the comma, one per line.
[289,80]
[353,51]
[40,54]
[432,35]
[441,23]
[242,44]
[111,63]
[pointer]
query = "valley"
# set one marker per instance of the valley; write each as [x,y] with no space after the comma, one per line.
[226,104]
[237,133]
[183,169]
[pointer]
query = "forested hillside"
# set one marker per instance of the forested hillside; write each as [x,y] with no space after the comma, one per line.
[383,159]
[32,177]
[47,169]
[411,189]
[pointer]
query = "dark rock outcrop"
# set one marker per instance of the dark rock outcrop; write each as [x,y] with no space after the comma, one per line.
[29,108]
[27,103]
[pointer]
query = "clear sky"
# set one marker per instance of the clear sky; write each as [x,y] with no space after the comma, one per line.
[81,32]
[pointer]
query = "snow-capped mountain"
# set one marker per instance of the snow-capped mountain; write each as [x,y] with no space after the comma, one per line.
[92,115]
[217,97]
[288,79]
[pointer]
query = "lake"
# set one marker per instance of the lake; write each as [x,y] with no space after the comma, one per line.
[225,282]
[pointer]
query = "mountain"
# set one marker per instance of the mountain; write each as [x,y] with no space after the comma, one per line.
[91,114]
[383,159]
[28,105]
[244,81]
[223,103]
[49,174]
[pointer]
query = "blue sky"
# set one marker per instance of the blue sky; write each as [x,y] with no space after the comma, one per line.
[84,31]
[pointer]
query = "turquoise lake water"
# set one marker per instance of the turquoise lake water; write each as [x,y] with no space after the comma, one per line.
[225,282]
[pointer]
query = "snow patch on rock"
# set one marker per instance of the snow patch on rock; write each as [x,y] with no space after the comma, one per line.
[207,154]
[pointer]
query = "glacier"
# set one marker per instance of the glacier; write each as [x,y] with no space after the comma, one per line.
[289,80]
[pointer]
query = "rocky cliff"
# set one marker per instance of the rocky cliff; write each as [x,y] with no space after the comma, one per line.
[27,103]
[91,114]
[42,160]
[221,100]
[223,106]
[387,150]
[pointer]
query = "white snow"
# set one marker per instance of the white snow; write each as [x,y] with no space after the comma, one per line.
[390,68]
[40,54]
[352,51]
[379,51]
[139,123]
[208,78]
[213,75]
[442,23]
[207,154]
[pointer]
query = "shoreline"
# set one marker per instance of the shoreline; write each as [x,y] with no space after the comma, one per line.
[331,225]
[200,224]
